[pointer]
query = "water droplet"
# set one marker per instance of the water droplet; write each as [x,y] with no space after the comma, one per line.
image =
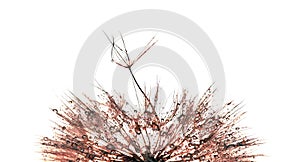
[194,137]
[110,147]
[84,137]
[138,130]
[81,149]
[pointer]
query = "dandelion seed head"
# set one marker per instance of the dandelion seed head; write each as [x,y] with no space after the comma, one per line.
[110,129]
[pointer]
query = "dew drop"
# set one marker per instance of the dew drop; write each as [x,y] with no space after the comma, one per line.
[194,137]
[84,137]
[138,130]
[110,147]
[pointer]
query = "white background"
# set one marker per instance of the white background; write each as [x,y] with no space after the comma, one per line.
[257,40]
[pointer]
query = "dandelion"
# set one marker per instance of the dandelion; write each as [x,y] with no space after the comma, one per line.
[110,129]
